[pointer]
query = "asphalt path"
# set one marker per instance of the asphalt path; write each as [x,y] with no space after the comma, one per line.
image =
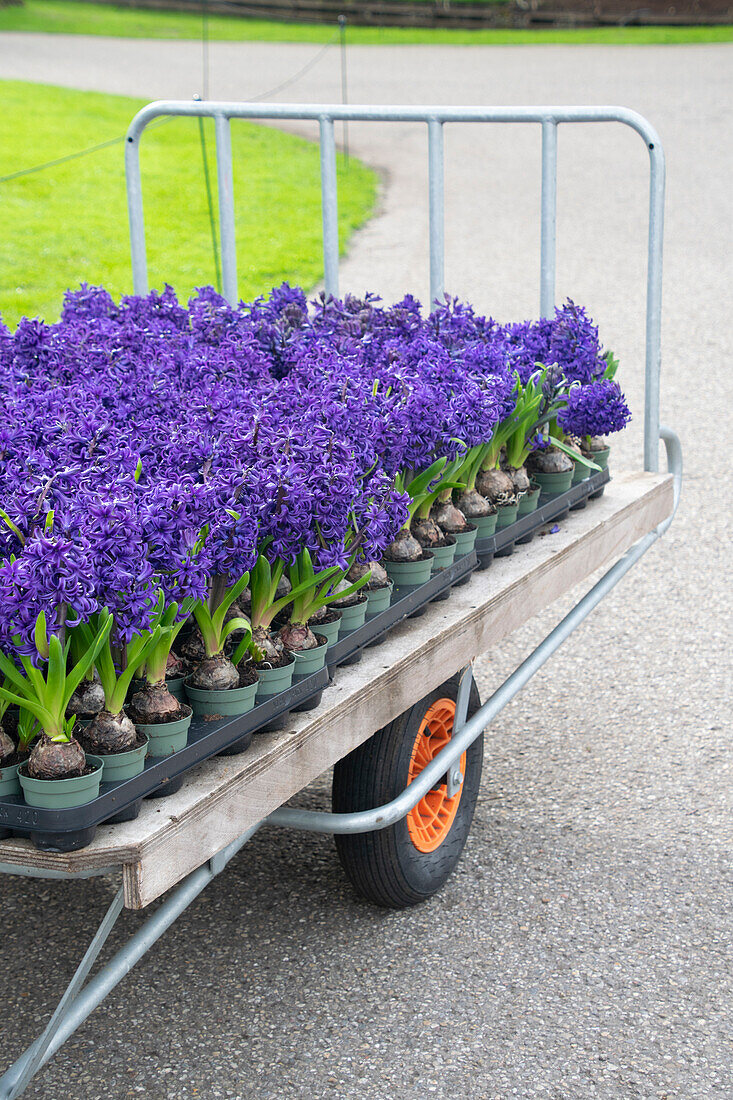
[583,947]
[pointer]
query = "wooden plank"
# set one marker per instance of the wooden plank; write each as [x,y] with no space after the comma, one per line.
[224,796]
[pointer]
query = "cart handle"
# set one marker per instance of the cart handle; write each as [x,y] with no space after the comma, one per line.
[435,118]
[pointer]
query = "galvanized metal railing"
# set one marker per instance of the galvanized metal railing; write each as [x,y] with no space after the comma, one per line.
[435,118]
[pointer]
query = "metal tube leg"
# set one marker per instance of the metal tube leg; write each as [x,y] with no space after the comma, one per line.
[21,1073]
[77,1004]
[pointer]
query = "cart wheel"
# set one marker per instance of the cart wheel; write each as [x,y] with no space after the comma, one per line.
[411,860]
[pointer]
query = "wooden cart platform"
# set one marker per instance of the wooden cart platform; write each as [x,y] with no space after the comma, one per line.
[223,797]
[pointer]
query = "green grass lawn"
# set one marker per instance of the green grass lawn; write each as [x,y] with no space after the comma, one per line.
[65,16]
[69,223]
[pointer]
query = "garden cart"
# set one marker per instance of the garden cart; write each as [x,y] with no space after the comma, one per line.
[402,723]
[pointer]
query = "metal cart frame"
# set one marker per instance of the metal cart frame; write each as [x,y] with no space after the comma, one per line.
[79,1000]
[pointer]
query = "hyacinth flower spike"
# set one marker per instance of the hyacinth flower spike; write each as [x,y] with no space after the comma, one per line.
[44,692]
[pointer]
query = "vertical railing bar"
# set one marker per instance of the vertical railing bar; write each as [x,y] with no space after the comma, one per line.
[135,215]
[329,206]
[225,182]
[436,197]
[654,306]
[549,218]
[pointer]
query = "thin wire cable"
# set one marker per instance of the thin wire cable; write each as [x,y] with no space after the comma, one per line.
[74,156]
[296,76]
[210,201]
[61,160]
[159,122]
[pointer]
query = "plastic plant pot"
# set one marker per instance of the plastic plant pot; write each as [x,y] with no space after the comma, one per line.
[410,572]
[600,457]
[485,525]
[59,794]
[310,660]
[353,617]
[528,503]
[330,631]
[581,472]
[552,484]
[125,765]
[9,782]
[176,686]
[166,737]
[274,680]
[379,599]
[443,556]
[465,540]
[228,703]
[506,514]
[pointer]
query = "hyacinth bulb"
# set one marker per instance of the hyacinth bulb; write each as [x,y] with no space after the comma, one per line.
[269,645]
[520,478]
[214,674]
[154,703]
[378,577]
[298,636]
[87,699]
[404,548]
[7,745]
[427,532]
[109,733]
[552,461]
[449,518]
[56,759]
[474,505]
[495,485]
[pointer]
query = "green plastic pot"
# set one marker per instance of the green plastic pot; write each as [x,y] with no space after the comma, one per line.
[409,572]
[528,503]
[177,688]
[485,525]
[167,737]
[330,631]
[354,616]
[229,703]
[60,794]
[309,660]
[124,765]
[9,782]
[465,540]
[379,599]
[552,484]
[274,680]
[505,515]
[599,457]
[581,472]
[443,556]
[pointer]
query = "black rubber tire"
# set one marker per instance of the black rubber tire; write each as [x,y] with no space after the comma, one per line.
[385,867]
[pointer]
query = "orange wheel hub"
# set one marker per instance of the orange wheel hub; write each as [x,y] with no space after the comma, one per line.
[430,821]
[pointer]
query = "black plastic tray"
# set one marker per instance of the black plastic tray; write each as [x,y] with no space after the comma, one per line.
[549,508]
[405,602]
[72,828]
[160,774]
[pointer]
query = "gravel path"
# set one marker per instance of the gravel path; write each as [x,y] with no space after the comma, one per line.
[583,948]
